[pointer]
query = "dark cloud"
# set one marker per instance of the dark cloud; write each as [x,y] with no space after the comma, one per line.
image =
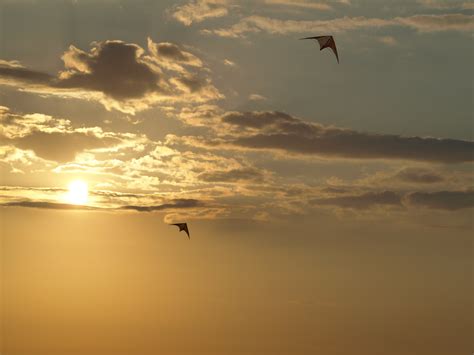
[259,119]
[24,75]
[233,175]
[113,67]
[443,200]
[363,201]
[334,190]
[190,83]
[174,204]
[279,131]
[120,75]
[419,175]
[46,205]
[62,147]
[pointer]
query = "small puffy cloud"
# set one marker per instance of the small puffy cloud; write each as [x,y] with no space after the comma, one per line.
[200,10]
[388,40]
[257,97]
[229,63]
[122,76]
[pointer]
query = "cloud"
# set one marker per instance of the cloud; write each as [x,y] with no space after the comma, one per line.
[121,76]
[47,205]
[200,10]
[419,175]
[113,67]
[436,23]
[388,40]
[362,201]
[175,204]
[304,4]
[442,200]
[172,57]
[257,97]
[172,205]
[15,71]
[446,4]
[277,131]
[62,147]
[229,63]
[422,23]
[233,175]
[55,139]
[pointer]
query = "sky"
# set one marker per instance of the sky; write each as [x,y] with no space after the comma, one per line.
[330,205]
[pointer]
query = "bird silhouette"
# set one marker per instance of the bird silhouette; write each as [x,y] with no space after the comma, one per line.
[182,227]
[326,42]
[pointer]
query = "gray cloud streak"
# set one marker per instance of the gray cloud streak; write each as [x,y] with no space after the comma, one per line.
[280,131]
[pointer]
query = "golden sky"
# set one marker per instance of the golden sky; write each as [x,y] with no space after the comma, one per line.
[329,205]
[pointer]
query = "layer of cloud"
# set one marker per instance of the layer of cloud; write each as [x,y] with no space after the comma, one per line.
[446,4]
[55,139]
[171,205]
[304,4]
[442,200]
[200,10]
[282,132]
[419,175]
[422,23]
[257,97]
[121,76]
[362,201]
[233,175]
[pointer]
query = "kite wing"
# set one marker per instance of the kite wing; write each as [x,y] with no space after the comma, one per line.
[326,42]
[182,227]
[185,228]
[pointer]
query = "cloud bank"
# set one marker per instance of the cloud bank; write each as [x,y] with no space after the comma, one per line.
[122,76]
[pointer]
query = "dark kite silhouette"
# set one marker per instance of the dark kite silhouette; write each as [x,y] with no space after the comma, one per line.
[326,42]
[182,227]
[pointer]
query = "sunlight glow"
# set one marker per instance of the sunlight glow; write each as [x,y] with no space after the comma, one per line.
[78,192]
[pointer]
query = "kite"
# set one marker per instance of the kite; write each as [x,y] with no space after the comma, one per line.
[182,227]
[326,42]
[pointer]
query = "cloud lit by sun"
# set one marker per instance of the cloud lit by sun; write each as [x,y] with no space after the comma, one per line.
[78,192]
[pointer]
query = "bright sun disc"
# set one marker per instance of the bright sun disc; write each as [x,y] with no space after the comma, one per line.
[78,192]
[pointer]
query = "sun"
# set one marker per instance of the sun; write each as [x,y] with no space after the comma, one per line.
[78,192]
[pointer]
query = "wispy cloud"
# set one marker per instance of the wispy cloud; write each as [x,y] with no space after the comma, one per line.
[200,10]
[422,23]
[257,97]
[446,4]
[388,40]
[304,4]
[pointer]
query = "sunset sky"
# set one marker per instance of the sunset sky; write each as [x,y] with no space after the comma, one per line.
[330,205]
